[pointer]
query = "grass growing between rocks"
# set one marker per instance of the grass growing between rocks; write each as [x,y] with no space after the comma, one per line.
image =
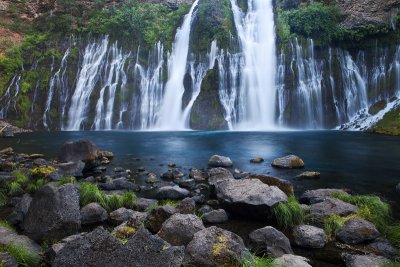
[91,193]
[3,198]
[21,255]
[289,214]
[255,261]
[66,180]
[391,264]
[5,224]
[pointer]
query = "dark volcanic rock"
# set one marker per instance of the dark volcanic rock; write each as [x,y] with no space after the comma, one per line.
[220,161]
[383,248]
[283,185]
[356,231]
[121,215]
[171,192]
[143,203]
[81,150]
[215,216]
[308,176]
[269,241]
[179,229]
[323,210]
[257,160]
[120,184]
[214,246]
[54,213]
[186,206]
[18,214]
[309,236]
[9,236]
[158,216]
[100,248]
[288,162]
[364,260]
[6,260]
[289,260]
[319,195]
[219,174]
[93,213]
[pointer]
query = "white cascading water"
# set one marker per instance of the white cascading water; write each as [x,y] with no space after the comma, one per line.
[58,81]
[256,33]
[92,64]
[170,115]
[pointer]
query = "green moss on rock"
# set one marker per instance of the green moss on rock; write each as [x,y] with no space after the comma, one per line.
[390,123]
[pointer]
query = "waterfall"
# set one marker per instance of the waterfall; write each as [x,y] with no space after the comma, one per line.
[170,114]
[9,97]
[58,81]
[92,64]
[256,33]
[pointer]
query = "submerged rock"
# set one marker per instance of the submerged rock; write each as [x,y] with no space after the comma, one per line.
[308,176]
[214,246]
[257,160]
[356,231]
[54,213]
[288,162]
[309,236]
[269,241]
[220,161]
[179,229]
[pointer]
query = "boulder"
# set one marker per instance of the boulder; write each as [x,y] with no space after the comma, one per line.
[93,213]
[319,195]
[356,231]
[257,160]
[288,162]
[205,209]
[158,216]
[308,176]
[143,203]
[119,184]
[289,260]
[6,151]
[198,175]
[364,260]
[6,260]
[171,192]
[219,174]
[179,229]
[214,246]
[54,213]
[186,206]
[100,248]
[383,248]
[9,236]
[121,215]
[323,210]
[71,168]
[220,161]
[249,197]
[215,216]
[283,185]
[269,241]
[187,183]
[309,236]
[172,174]
[20,209]
[82,150]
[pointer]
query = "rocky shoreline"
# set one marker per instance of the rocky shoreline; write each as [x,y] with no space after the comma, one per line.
[8,130]
[77,211]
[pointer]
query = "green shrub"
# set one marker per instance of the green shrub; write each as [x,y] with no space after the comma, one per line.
[91,193]
[21,255]
[289,214]
[42,171]
[128,200]
[333,224]
[20,177]
[36,185]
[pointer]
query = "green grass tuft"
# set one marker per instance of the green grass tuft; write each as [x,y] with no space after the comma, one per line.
[289,214]
[255,261]
[392,233]
[3,198]
[129,200]
[66,180]
[333,224]
[391,264]
[21,255]
[20,177]
[36,185]
[5,224]
[14,188]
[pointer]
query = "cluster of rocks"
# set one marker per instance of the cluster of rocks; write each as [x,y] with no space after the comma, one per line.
[8,130]
[187,232]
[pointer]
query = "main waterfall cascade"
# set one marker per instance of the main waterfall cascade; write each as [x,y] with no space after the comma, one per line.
[260,87]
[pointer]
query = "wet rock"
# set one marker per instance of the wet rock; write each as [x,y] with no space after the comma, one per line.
[6,260]
[319,195]
[205,209]
[143,203]
[187,183]
[257,160]
[249,197]
[219,174]
[383,248]
[356,231]
[323,210]
[53,213]
[364,260]
[119,184]
[158,216]
[198,175]
[169,175]
[289,260]
[215,216]
[121,215]
[179,229]
[238,174]
[288,162]
[6,151]
[269,241]
[220,161]
[171,192]
[82,150]
[151,178]
[93,213]
[105,154]
[214,246]
[100,248]
[20,209]
[283,185]
[186,206]
[309,236]
[308,176]
[9,236]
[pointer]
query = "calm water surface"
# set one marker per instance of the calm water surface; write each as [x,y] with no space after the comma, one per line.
[364,163]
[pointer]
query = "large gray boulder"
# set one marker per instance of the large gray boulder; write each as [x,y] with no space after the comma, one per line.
[288,162]
[54,213]
[249,197]
[283,185]
[220,161]
[289,260]
[269,241]
[356,231]
[100,248]
[319,195]
[179,229]
[93,213]
[322,210]
[19,211]
[364,260]
[383,248]
[213,247]
[82,150]
[171,192]
[215,216]
[9,236]
[121,215]
[309,236]
[219,174]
